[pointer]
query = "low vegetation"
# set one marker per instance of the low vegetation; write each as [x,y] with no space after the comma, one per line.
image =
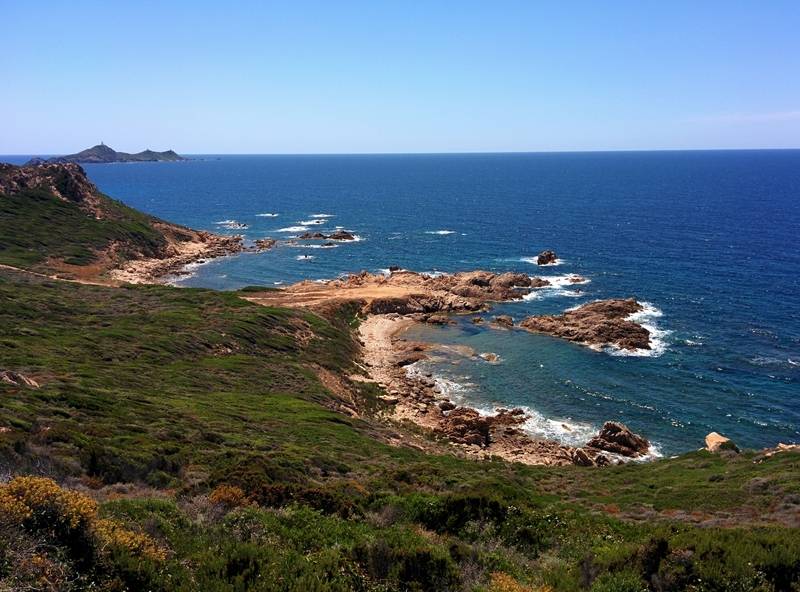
[197,447]
[154,438]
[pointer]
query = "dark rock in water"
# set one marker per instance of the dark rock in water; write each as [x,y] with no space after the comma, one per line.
[599,324]
[504,321]
[342,235]
[393,268]
[263,244]
[618,438]
[538,282]
[339,235]
[546,258]
[477,320]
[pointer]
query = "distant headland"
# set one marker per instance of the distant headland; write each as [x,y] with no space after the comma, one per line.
[105,154]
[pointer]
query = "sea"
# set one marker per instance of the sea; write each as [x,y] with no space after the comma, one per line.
[708,241]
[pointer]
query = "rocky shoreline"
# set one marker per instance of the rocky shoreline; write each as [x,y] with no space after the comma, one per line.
[391,303]
[415,397]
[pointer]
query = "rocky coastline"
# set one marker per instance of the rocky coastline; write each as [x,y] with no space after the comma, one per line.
[391,303]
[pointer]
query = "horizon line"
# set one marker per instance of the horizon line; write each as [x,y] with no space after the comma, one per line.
[444,153]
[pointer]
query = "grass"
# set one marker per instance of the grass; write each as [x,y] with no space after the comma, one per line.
[36,227]
[175,392]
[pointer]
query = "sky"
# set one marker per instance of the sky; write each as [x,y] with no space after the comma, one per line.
[378,76]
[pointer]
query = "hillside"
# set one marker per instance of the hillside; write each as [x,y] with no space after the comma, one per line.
[54,220]
[105,154]
[156,438]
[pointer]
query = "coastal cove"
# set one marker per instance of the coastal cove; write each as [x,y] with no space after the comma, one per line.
[627,222]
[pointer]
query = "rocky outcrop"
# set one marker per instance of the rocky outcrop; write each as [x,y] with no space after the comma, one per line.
[598,324]
[67,182]
[264,244]
[546,258]
[504,321]
[618,438]
[17,379]
[339,235]
[717,443]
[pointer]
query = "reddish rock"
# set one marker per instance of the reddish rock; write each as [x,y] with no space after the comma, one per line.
[618,438]
[504,321]
[600,324]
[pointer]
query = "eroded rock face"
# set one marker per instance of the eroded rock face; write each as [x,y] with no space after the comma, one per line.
[599,324]
[618,438]
[546,258]
[66,181]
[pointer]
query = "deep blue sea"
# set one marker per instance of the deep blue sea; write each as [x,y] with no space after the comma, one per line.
[711,240]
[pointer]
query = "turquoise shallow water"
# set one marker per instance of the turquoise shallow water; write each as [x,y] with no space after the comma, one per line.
[709,239]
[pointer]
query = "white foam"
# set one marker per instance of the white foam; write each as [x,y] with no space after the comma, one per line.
[557,287]
[312,222]
[231,224]
[566,431]
[322,215]
[268,215]
[304,246]
[534,260]
[440,232]
[292,229]
[645,318]
[304,257]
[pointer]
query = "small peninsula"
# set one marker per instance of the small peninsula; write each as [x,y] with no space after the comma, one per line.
[101,154]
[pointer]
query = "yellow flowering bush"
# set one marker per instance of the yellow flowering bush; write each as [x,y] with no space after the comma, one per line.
[45,500]
[37,503]
[228,495]
[502,582]
[109,533]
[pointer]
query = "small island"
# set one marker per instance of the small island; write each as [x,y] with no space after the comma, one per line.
[101,154]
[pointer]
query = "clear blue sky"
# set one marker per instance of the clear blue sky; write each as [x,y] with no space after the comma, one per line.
[316,77]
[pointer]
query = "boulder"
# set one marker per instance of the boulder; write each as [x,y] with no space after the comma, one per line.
[263,244]
[17,379]
[341,235]
[546,258]
[504,321]
[717,442]
[618,438]
[466,426]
